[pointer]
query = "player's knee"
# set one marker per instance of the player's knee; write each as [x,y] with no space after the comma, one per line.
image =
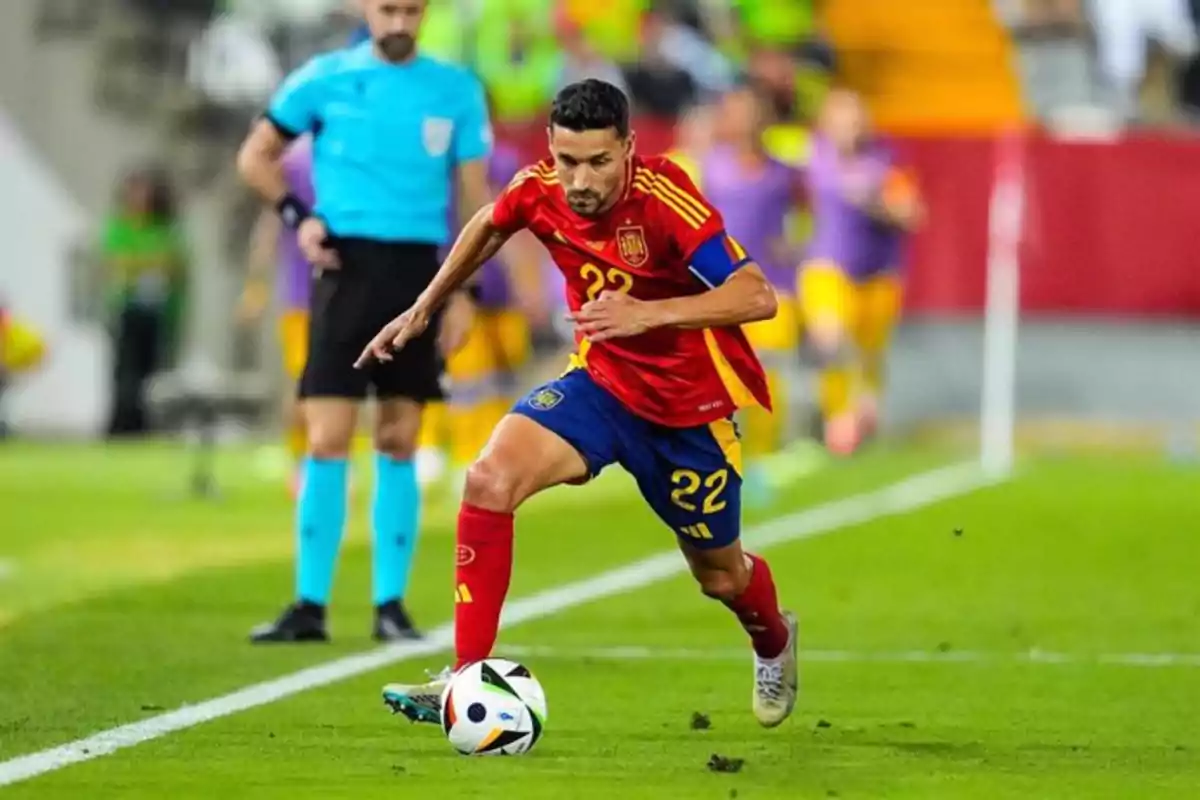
[719,584]
[493,486]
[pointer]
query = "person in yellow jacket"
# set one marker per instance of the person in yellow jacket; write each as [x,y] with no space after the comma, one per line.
[22,349]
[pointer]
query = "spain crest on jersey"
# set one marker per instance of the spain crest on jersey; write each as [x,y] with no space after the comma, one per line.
[435,135]
[631,244]
[545,398]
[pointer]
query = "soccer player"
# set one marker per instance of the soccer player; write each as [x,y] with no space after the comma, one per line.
[392,130]
[755,194]
[657,292]
[274,245]
[864,206]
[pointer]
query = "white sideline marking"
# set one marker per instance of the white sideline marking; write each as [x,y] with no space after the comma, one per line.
[1034,656]
[907,495]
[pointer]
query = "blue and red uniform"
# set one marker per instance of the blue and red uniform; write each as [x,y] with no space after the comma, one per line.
[661,403]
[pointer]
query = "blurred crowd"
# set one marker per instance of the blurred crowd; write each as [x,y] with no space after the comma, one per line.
[668,55]
[1110,55]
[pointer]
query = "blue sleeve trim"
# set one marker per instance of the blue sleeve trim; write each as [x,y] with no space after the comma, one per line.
[284,131]
[713,262]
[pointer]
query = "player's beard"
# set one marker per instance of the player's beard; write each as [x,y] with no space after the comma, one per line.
[396,47]
[585,202]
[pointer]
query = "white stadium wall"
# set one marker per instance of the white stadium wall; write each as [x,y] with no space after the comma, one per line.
[41,223]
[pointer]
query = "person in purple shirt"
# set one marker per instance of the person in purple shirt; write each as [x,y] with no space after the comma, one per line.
[274,249]
[756,194]
[864,207]
[481,375]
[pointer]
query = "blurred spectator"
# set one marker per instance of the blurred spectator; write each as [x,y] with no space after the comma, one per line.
[694,137]
[747,24]
[21,349]
[146,259]
[233,62]
[609,26]
[676,66]
[658,85]
[1123,28]
[1189,78]
[581,60]
[517,57]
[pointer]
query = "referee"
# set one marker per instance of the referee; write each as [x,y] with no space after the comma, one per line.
[392,130]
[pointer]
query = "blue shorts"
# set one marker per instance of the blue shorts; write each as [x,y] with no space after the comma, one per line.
[691,477]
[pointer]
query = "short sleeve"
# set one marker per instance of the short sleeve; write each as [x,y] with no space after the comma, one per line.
[294,106]
[472,128]
[510,209]
[688,216]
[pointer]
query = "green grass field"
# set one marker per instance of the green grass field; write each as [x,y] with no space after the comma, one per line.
[1035,638]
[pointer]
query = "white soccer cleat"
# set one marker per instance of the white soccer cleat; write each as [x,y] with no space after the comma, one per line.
[777,680]
[420,702]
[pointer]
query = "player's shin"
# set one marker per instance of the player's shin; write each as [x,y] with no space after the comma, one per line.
[482,571]
[757,609]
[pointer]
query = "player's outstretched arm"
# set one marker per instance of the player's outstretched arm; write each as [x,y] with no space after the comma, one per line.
[477,244]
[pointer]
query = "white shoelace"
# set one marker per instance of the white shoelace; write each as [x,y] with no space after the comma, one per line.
[768,680]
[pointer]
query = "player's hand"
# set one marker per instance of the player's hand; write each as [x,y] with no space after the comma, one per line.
[613,315]
[313,238]
[457,320]
[397,333]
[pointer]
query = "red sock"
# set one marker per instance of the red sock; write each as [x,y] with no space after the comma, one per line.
[483,567]
[757,608]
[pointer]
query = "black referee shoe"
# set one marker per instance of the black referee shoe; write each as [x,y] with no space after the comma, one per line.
[392,623]
[299,622]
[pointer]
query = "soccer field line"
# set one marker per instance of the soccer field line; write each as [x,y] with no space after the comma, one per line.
[913,493]
[1033,656]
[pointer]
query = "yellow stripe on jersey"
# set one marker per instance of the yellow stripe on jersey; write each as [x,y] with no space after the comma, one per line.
[738,391]
[691,210]
[652,189]
[544,175]
[684,197]
[739,252]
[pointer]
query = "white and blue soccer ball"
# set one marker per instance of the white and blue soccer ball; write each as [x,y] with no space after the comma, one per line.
[493,707]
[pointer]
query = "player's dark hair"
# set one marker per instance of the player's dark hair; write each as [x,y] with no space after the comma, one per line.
[591,105]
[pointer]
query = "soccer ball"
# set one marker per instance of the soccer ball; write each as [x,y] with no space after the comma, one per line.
[493,707]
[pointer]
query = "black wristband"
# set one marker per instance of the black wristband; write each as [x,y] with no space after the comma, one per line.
[292,210]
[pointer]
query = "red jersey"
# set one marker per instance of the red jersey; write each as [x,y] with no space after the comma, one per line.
[643,246]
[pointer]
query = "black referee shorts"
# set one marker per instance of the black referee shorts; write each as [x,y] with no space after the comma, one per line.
[376,282]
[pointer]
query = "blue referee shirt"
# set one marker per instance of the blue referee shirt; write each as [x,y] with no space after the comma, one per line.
[386,139]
